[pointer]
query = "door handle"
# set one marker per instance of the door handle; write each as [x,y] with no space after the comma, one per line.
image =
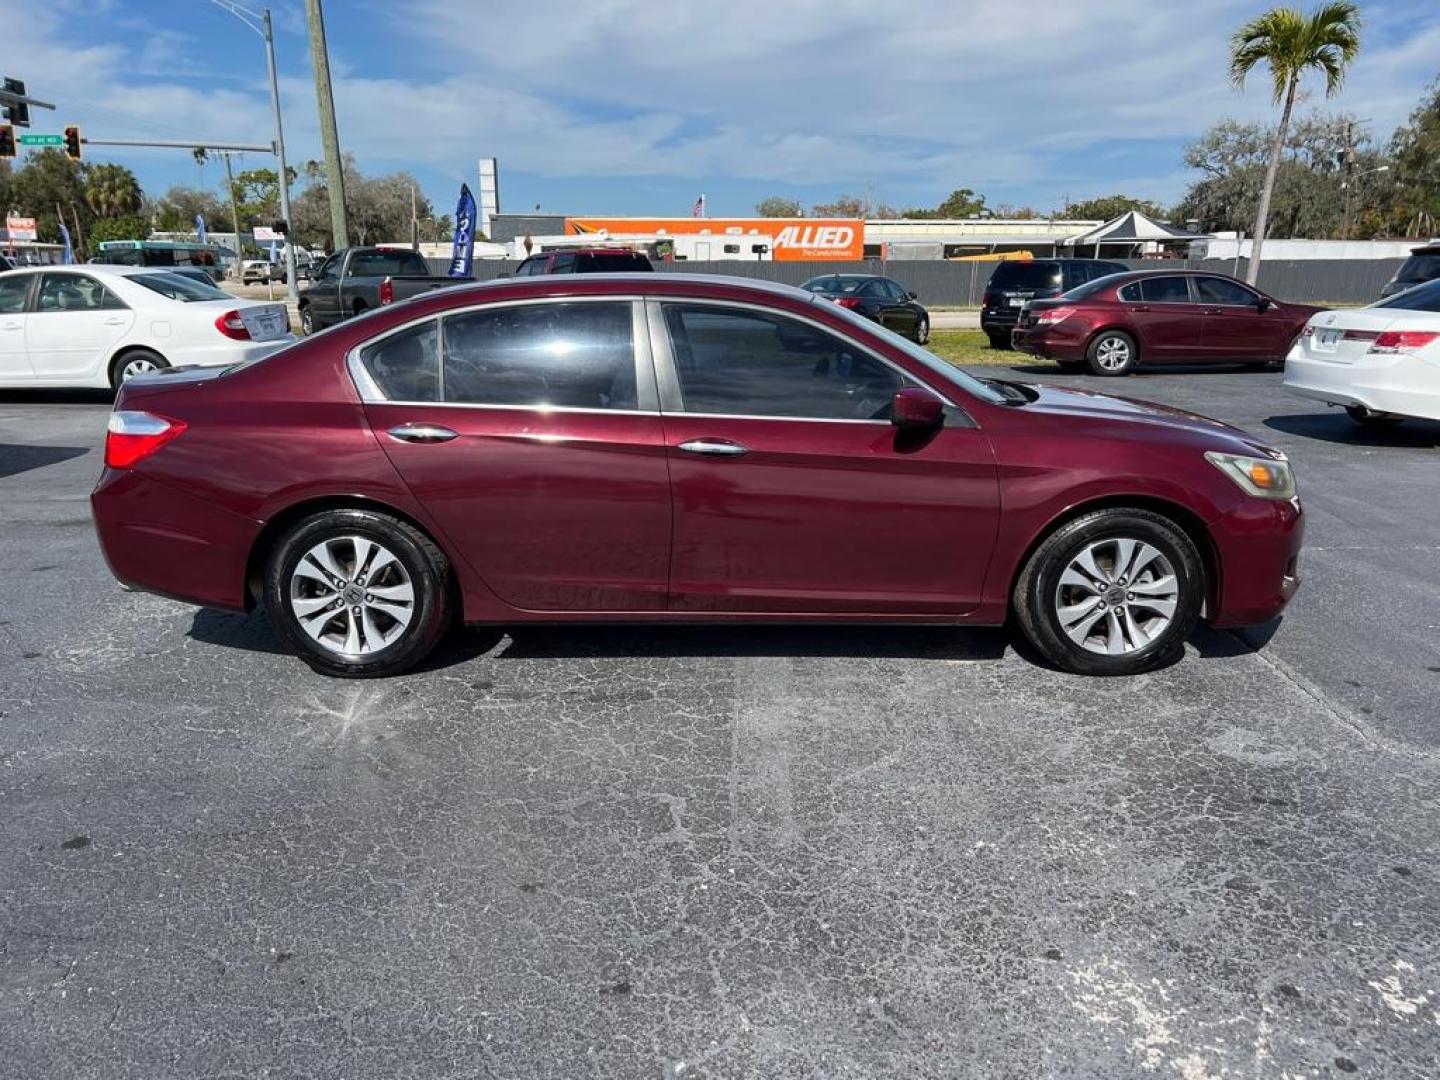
[11,326]
[714,447]
[1141,307]
[421,433]
[116,321]
[1213,311]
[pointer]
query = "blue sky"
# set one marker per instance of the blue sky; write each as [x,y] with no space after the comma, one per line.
[636,106]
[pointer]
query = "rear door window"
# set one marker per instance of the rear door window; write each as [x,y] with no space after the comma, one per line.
[13,290]
[406,365]
[563,264]
[575,356]
[1165,289]
[75,292]
[1026,275]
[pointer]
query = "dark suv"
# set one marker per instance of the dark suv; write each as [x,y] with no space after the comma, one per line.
[584,261]
[1013,283]
[1423,265]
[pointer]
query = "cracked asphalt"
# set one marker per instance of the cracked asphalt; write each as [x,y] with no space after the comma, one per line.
[727,852]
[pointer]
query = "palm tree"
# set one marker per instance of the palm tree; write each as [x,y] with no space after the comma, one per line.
[112,191]
[1292,44]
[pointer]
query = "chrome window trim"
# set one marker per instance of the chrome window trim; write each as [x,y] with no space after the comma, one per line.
[646,392]
[672,401]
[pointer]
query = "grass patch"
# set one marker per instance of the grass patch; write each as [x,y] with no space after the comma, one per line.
[972,347]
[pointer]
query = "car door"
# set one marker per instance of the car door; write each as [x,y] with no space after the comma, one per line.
[881,305]
[324,292]
[530,433]
[14,297]
[73,327]
[907,312]
[793,492]
[1240,324]
[1168,322]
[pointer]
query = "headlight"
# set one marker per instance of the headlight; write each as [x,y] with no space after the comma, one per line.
[1265,478]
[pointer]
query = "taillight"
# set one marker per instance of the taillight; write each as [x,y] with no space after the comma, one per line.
[1309,331]
[1398,341]
[987,300]
[387,291]
[232,326]
[1053,315]
[854,303]
[132,435]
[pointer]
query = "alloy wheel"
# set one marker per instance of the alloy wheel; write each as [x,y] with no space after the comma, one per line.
[138,366]
[1117,596]
[1112,353]
[352,596]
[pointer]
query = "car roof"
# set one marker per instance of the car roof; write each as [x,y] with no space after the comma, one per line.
[97,269]
[616,282]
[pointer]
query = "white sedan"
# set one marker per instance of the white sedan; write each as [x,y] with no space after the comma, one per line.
[99,325]
[1381,363]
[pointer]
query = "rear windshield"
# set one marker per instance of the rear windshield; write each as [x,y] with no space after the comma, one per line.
[1026,275]
[612,262]
[1090,287]
[1419,268]
[387,264]
[176,287]
[1421,298]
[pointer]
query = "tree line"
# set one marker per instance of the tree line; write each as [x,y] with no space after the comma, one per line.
[99,201]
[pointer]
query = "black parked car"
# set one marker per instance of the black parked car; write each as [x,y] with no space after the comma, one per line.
[1423,265]
[584,261]
[1015,282]
[887,302]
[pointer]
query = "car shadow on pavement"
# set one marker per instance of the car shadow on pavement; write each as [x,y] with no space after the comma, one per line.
[1242,641]
[57,397]
[18,457]
[1335,427]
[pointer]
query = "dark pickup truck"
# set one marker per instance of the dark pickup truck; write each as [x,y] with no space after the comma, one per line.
[357,279]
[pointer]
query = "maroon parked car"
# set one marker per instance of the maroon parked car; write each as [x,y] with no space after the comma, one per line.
[676,448]
[1116,323]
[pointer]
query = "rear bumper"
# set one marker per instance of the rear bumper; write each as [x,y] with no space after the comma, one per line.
[1258,551]
[1056,341]
[997,319]
[160,539]
[1398,383]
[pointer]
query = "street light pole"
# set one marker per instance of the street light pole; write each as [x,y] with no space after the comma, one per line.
[260,23]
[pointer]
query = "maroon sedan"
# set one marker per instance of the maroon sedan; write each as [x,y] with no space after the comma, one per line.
[1116,323]
[672,448]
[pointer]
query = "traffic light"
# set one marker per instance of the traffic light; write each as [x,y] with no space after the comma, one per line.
[282,227]
[72,143]
[7,141]
[18,113]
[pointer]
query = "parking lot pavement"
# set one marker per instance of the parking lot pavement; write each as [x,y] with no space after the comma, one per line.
[724,852]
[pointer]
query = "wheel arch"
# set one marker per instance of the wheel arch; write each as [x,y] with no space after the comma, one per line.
[1128,331]
[1184,518]
[282,520]
[125,350]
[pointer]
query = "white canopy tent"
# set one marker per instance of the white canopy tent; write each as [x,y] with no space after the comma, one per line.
[1131,229]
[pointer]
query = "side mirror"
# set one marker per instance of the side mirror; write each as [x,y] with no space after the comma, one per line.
[1263,304]
[913,295]
[916,409]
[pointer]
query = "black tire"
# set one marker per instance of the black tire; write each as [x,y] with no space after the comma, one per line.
[1369,418]
[1105,349]
[922,331]
[134,362]
[999,339]
[424,564]
[1038,593]
[307,321]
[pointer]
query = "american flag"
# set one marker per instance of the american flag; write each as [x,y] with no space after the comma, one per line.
[698,210]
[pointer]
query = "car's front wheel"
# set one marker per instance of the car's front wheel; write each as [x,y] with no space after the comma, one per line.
[1113,592]
[1112,352]
[358,593]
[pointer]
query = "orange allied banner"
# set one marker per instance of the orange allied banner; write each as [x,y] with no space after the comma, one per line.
[791,239]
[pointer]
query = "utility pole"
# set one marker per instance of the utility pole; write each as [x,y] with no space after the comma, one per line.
[1347,162]
[234,213]
[335,176]
[414,222]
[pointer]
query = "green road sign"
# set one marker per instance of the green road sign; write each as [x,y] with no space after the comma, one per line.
[42,140]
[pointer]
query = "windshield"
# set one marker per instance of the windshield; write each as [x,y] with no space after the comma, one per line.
[1025,275]
[1421,298]
[948,372]
[175,287]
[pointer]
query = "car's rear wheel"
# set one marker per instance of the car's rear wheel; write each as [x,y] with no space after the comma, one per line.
[358,593]
[1113,592]
[1112,352]
[1367,417]
[922,331]
[135,362]
[999,339]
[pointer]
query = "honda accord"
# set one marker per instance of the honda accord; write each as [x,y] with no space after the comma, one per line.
[675,448]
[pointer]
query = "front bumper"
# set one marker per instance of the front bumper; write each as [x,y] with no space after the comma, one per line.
[1399,383]
[1257,548]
